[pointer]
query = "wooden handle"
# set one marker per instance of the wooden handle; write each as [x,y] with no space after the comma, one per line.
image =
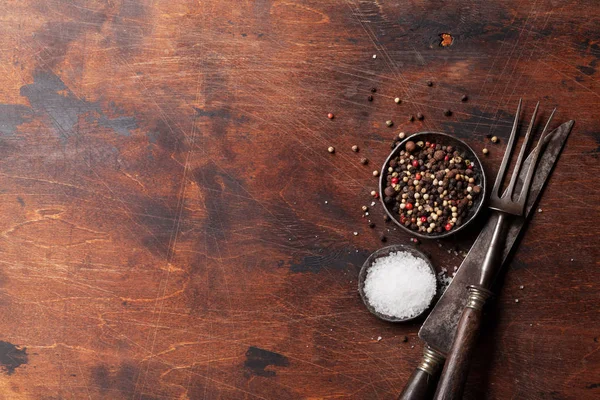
[456,369]
[420,386]
[423,380]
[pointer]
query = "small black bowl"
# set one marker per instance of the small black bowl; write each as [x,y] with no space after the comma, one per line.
[383,252]
[446,140]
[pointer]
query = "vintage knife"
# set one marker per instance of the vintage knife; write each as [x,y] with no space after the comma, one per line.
[439,328]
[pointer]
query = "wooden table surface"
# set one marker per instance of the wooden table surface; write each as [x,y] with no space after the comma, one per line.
[173,226]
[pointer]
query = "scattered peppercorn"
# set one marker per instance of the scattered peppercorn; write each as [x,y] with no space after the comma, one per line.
[330,115]
[398,100]
[494,139]
[355,148]
[371,225]
[420,116]
[411,118]
[401,135]
[447,113]
[386,218]
[370,98]
[331,149]
[485,151]
[516,300]
[373,90]
[404,339]
[521,287]
[374,55]
[464,98]
[364,161]
[429,83]
[374,193]
[389,122]
[365,208]
[383,238]
[375,173]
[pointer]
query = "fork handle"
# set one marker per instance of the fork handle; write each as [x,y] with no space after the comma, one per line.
[456,368]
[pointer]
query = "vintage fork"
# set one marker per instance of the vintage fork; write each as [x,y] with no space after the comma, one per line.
[456,368]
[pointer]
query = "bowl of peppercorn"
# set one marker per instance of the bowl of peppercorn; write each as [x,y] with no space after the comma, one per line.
[432,185]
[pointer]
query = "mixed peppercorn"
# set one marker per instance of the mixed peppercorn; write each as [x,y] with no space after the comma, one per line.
[430,188]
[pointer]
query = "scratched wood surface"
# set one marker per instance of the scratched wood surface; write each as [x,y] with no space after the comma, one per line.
[173,227]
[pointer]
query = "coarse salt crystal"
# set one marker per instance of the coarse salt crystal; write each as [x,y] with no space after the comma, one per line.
[400,285]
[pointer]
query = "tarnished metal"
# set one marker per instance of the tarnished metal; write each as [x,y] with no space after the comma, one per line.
[432,361]
[439,328]
[477,297]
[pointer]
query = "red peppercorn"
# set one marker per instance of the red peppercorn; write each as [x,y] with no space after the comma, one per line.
[423,219]
[409,206]
[418,177]
[470,166]
[413,220]
[446,158]
[394,181]
[402,219]
[427,144]
[376,195]
[415,163]
[330,115]
[432,145]
[448,227]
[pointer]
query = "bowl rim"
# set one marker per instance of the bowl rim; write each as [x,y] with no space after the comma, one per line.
[384,251]
[384,173]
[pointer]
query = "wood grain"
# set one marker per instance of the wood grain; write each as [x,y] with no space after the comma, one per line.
[173,226]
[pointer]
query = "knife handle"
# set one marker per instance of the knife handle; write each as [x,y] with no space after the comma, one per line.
[456,369]
[423,380]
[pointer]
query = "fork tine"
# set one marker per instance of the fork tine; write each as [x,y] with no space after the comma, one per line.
[515,174]
[536,154]
[507,152]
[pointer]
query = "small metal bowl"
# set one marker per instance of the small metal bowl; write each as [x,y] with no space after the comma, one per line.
[446,140]
[383,253]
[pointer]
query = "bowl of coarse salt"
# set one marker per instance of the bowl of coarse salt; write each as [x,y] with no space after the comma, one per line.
[397,283]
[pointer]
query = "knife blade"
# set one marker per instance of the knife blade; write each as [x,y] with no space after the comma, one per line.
[439,328]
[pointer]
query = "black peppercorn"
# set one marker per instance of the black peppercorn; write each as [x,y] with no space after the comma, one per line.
[429,83]
[411,118]
[383,238]
[420,116]
[447,113]
[370,98]
[373,90]
[464,98]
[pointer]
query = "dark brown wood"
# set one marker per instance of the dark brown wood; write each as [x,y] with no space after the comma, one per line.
[456,369]
[420,386]
[173,226]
